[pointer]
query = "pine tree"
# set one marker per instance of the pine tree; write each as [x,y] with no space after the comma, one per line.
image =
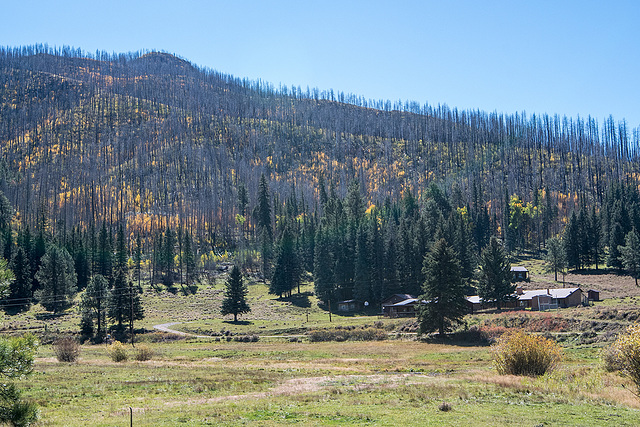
[362,276]
[235,296]
[555,259]
[105,253]
[495,274]
[57,279]
[167,261]
[189,259]
[6,279]
[595,237]
[323,268]
[443,291]
[137,259]
[118,303]
[136,310]
[630,254]
[616,240]
[94,306]
[286,273]
[571,242]
[262,216]
[20,290]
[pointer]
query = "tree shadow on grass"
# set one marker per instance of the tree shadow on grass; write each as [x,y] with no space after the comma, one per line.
[238,323]
[299,300]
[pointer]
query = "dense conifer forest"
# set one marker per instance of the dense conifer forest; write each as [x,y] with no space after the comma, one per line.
[147,162]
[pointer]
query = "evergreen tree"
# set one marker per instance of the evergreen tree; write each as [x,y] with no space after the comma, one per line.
[323,268]
[105,253]
[595,237]
[362,276]
[119,298]
[94,306]
[39,249]
[262,217]
[235,296]
[137,259]
[556,259]
[81,263]
[443,291]
[20,290]
[376,245]
[6,279]
[616,240]
[167,257]
[189,259]
[286,274]
[118,302]
[136,310]
[571,242]
[630,254]
[57,279]
[17,361]
[495,274]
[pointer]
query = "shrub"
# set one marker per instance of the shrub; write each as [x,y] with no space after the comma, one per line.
[117,352]
[66,349]
[628,345]
[611,358]
[445,407]
[143,352]
[518,353]
[343,334]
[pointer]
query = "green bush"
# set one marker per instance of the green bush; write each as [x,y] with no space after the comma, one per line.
[344,334]
[143,352]
[518,353]
[611,358]
[628,345]
[117,352]
[66,349]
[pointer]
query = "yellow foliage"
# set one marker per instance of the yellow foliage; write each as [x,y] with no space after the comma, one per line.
[519,353]
[628,346]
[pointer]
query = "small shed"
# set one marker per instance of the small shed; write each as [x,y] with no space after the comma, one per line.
[348,305]
[593,295]
[519,273]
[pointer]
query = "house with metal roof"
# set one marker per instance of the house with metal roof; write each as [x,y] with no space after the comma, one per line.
[545,299]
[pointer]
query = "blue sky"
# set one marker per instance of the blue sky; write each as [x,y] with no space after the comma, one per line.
[558,57]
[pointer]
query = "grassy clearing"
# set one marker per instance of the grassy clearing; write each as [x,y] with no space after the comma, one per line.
[277,382]
[353,383]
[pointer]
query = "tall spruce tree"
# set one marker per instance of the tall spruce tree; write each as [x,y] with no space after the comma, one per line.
[57,278]
[495,274]
[443,290]
[571,242]
[20,290]
[235,295]
[286,273]
[262,217]
[189,259]
[323,268]
[630,254]
[555,258]
[119,297]
[94,307]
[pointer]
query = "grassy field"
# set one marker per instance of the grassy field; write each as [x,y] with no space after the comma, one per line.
[280,380]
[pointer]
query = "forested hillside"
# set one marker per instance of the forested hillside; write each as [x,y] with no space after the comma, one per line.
[154,143]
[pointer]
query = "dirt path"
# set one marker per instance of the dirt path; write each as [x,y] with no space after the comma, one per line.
[166,327]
